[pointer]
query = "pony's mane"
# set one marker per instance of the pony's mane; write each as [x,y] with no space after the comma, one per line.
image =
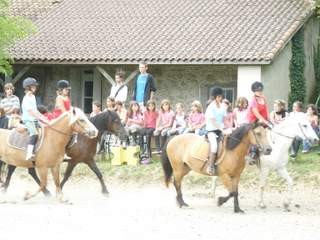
[236,136]
[99,121]
[55,120]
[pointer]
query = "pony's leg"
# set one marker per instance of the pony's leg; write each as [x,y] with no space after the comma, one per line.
[43,174]
[264,172]
[235,183]
[284,174]
[178,176]
[55,171]
[5,185]
[68,172]
[214,186]
[35,177]
[93,166]
[227,182]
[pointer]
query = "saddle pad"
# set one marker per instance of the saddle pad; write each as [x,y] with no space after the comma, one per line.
[19,140]
[200,149]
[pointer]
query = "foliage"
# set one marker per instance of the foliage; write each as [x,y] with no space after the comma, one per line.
[297,66]
[12,28]
[316,63]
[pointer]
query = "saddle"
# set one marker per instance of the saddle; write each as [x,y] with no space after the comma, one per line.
[19,140]
[200,149]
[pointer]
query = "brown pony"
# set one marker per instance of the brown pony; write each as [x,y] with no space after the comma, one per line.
[50,154]
[83,151]
[178,159]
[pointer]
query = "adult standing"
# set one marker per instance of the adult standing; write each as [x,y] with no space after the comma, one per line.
[11,102]
[119,91]
[144,86]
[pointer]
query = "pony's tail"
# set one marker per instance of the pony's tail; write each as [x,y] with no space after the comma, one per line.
[166,165]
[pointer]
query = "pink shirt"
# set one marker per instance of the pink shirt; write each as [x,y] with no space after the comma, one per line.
[150,119]
[196,119]
[166,118]
[228,120]
[240,117]
[135,119]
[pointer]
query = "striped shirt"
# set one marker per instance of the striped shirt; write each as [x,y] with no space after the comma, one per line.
[10,102]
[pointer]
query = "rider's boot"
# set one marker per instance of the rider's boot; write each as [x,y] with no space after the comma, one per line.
[211,168]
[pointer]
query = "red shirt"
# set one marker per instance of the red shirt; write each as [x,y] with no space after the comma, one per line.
[57,112]
[262,109]
[150,119]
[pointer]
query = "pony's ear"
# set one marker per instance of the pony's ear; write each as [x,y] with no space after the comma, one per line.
[73,115]
[73,111]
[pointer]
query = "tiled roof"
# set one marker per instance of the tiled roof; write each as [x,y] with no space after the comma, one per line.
[163,31]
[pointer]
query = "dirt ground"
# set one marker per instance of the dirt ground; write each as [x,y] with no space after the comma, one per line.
[149,212]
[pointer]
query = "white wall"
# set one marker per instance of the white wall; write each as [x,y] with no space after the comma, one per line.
[246,76]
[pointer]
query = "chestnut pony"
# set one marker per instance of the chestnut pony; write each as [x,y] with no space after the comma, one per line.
[177,159]
[83,151]
[57,134]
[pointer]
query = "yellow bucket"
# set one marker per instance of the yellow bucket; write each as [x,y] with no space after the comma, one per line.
[118,156]
[132,155]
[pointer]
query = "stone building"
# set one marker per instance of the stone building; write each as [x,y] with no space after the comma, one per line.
[190,45]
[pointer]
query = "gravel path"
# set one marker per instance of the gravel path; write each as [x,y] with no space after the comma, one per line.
[150,212]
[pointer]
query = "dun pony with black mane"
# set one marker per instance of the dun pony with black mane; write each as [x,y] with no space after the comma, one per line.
[83,151]
[189,152]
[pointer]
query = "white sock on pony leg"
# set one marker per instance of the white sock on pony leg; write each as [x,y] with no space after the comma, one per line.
[29,152]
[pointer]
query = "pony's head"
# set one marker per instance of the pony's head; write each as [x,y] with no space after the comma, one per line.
[258,137]
[109,121]
[296,126]
[81,124]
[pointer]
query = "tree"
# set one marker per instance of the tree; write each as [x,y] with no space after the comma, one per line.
[12,28]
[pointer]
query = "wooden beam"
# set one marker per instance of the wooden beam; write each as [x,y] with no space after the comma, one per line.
[131,76]
[7,79]
[106,75]
[20,74]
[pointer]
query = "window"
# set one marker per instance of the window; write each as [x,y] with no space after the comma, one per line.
[87,91]
[228,93]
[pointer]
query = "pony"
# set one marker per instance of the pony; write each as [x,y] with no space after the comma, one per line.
[83,151]
[281,138]
[177,159]
[50,154]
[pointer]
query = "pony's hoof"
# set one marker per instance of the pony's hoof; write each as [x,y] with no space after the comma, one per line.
[220,201]
[27,196]
[262,206]
[239,211]
[286,207]
[105,193]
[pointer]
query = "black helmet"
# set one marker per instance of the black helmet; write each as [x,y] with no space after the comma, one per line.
[61,84]
[257,86]
[28,82]
[217,91]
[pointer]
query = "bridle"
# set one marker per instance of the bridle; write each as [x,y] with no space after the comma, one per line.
[290,137]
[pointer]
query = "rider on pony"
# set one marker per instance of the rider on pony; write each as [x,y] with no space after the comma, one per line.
[214,116]
[63,102]
[30,114]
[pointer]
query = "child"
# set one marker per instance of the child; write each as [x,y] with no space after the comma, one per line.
[150,119]
[121,111]
[179,123]
[258,109]
[96,108]
[240,112]
[163,125]
[312,115]
[15,118]
[297,111]
[119,91]
[228,121]
[134,121]
[279,112]
[30,114]
[214,117]
[196,119]
[110,104]
[10,102]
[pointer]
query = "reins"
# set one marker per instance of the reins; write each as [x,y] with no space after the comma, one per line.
[57,130]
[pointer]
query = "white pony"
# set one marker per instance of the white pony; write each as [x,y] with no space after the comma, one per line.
[281,138]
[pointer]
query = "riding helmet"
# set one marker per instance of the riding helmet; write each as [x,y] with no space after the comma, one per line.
[217,91]
[257,87]
[29,81]
[61,84]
